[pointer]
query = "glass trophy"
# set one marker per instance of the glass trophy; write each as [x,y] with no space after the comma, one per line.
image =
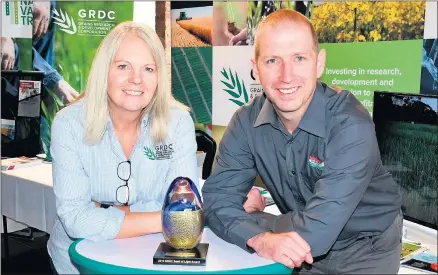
[183,225]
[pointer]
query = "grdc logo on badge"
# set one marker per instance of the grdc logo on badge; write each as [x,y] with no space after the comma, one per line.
[164,151]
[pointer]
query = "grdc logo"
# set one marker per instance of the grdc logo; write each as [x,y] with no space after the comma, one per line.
[234,87]
[64,21]
[99,14]
[67,23]
[164,151]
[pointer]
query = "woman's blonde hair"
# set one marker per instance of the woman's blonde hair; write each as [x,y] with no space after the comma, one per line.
[95,93]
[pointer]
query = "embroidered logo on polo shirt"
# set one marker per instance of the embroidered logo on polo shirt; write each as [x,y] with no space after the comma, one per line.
[160,152]
[316,163]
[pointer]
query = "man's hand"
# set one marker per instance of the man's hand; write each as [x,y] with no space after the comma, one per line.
[41,17]
[287,248]
[7,53]
[255,201]
[62,88]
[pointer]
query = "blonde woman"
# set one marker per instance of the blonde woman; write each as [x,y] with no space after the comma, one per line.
[119,146]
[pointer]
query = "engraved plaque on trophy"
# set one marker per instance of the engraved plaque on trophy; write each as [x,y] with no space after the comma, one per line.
[183,225]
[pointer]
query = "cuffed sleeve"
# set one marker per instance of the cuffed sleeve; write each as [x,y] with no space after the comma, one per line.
[226,189]
[78,214]
[352,157]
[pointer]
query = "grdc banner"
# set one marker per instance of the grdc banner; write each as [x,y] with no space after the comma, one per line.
[65,49]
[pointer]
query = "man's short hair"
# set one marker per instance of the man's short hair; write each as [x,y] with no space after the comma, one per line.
[285,16]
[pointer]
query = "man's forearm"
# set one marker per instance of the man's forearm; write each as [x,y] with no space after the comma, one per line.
[235,225]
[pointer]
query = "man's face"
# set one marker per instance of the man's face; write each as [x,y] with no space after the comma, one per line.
[288,66]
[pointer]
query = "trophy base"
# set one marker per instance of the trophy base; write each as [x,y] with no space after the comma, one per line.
[167,255]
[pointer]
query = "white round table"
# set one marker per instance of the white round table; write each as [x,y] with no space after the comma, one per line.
[135,256]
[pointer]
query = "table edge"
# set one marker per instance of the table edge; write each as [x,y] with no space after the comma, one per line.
[105,268]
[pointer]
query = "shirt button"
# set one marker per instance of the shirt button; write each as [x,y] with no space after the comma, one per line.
[293,172]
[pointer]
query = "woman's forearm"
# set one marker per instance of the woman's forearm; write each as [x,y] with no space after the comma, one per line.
[124,208]
[140,223]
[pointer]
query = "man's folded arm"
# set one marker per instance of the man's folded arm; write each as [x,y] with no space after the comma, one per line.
[225,191]
[352,156]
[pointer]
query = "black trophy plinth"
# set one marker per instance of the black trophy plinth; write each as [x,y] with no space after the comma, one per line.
[167,255]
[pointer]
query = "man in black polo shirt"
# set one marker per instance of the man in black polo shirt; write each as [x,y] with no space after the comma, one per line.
[315,149]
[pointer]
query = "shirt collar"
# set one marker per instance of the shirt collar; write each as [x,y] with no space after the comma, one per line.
[313,120]
[267,114]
